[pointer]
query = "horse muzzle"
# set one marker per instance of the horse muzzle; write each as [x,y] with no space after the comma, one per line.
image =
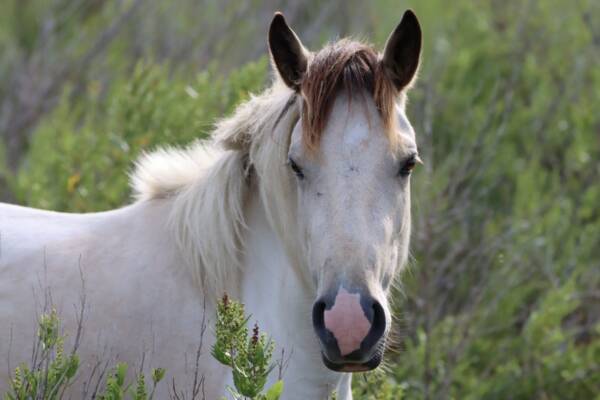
[351,329]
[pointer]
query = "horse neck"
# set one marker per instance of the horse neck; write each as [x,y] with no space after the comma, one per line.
[280,302]
[273,235]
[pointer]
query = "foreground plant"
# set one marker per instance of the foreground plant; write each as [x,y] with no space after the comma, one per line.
[52,371]
[116,389]
[248,355]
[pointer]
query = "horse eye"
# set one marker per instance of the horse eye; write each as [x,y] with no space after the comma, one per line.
[297,170]
[408,165]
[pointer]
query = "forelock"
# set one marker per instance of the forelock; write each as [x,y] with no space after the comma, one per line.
[343,65]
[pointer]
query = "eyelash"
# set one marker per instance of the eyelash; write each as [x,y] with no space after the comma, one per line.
[408,165]
[296,169]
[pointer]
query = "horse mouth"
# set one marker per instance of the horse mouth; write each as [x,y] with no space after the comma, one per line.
[354,366]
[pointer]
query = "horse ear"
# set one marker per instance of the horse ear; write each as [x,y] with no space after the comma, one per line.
[402,51]
[289,56]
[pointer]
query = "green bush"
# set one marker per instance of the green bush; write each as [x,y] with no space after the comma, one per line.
[52,371]
[83,150]
[501,300]
[248,355]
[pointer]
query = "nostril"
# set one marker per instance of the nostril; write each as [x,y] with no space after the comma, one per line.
[319,314]
[378,324]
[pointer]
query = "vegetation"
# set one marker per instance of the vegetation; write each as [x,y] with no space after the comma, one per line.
[249,356]
[52,370]
[87,170]
[502,298]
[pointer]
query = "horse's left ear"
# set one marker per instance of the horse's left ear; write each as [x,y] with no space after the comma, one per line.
[289,56]
[402,51]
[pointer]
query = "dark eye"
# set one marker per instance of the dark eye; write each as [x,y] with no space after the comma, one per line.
[408,165]
[297,170]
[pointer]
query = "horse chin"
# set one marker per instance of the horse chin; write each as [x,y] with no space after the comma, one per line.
[354,367]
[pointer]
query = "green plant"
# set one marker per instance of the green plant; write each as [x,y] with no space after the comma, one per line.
[248,355]
[117,389]
[80,155]
[52,371]
[376,385]
[503,299]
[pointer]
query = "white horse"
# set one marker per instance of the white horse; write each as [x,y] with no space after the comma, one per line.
[299,207]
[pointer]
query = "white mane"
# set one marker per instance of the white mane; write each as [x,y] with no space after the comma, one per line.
[208,184]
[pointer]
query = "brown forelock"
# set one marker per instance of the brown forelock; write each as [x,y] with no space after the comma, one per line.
[349,65]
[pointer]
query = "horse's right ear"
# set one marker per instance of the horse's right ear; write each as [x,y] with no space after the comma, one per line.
[289,56]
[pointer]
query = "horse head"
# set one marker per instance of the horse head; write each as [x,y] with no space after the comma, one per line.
[351,154]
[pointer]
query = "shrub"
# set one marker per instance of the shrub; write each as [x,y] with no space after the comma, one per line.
[500,303]
[502,297]
[248,355]
[52,371]
[81,153]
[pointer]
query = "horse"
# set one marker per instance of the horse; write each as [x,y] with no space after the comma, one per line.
[298,206]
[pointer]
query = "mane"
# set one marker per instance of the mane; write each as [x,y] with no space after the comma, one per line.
[209,182]
[344,65]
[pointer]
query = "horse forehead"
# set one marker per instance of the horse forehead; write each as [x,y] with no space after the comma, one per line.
[355,125]
[357,132]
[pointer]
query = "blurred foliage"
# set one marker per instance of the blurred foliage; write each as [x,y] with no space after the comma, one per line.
[87,169]
[502,299]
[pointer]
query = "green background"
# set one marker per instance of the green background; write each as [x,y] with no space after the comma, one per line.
[502,296]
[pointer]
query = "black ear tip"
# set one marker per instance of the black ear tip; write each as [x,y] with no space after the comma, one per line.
[410,17]
[278,19]
[409,13]
[278,24]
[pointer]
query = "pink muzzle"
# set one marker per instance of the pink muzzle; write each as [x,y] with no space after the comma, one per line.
[347,322]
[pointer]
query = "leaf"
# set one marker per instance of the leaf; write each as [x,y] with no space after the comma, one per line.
[275,391]
[140,389]
[73,181]
[72,366]
[158,374]
[120,373]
